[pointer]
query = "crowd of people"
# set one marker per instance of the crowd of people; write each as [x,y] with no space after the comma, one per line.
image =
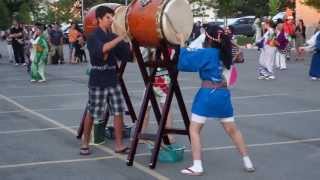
[276,40]
[20,44]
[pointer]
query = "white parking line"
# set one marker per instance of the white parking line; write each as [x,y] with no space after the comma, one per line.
[34,130]
[260,115]
[278,113]
[207,149]
[68,84]
[105,149]
[41,86]
[135,105]
[55,162]
[175,121]
[45,109]
[50,95]
[249,97]
[250,145]
[134,91]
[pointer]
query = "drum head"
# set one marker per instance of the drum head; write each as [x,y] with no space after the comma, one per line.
[119,20]
[177,18]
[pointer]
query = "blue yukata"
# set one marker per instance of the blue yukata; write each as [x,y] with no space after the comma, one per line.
[208,102]
[315,62]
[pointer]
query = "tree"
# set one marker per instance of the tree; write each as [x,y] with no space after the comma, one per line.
[313,3]
[253,7]
[5,16]
[89,4]
[199,7]
[274,6]
[24,14]
[227,8]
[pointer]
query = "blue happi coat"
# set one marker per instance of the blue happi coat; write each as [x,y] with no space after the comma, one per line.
[208,102]
[315,62]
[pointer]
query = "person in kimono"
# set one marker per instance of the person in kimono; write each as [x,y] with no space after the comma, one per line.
[213,99]
[38,55]
[281,52]
[268,53]
[313,44]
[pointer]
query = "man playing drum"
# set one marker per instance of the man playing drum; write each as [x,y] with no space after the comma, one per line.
[105,48]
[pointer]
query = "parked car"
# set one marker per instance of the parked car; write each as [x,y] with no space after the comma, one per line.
[280,15]
[244,26]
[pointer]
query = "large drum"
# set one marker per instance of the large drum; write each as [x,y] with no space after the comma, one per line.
[90,21]
[151,21]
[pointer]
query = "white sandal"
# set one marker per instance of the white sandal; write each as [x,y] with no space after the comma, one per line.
[190,172]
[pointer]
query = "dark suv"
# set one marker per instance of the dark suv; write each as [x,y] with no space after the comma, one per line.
[244,26]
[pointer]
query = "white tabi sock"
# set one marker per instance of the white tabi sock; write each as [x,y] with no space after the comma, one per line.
[247,162]
[197,166]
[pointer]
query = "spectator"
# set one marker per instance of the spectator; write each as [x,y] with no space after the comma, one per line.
[300,34]
[9,46]
[16,33]
[289,30]
[74,33]
[258,30]
[80,54]
[56,48]
[196,30]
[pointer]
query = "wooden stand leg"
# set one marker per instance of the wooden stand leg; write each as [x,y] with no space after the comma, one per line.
[149,95]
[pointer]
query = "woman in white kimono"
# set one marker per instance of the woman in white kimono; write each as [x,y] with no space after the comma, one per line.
[268,53]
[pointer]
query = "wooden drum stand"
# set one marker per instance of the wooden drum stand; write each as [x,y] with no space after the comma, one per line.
[161,117]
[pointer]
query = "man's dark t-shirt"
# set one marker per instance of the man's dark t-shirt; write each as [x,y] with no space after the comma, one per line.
[15,40]
[55,37]
[103,73]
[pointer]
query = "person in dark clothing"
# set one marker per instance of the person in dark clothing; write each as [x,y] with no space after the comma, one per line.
[196,30]
[105,48]
[80,54]
[56,46]
[16,33]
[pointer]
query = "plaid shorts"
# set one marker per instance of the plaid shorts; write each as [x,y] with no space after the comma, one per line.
[102,99]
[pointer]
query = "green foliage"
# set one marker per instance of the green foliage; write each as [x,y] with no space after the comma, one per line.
[24,14]
[274,6]
[202,6]
[88,4]
[244,40]
[313,3]
[5,16]
[227,8]
[253,7]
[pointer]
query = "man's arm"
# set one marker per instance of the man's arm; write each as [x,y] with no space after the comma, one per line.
[111,44]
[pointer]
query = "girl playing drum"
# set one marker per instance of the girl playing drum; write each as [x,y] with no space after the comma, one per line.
[213,99]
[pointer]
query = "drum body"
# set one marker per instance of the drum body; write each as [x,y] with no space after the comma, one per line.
[90,21]
[151,21]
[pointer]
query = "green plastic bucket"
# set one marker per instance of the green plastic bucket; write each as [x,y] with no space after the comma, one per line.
[170,153]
